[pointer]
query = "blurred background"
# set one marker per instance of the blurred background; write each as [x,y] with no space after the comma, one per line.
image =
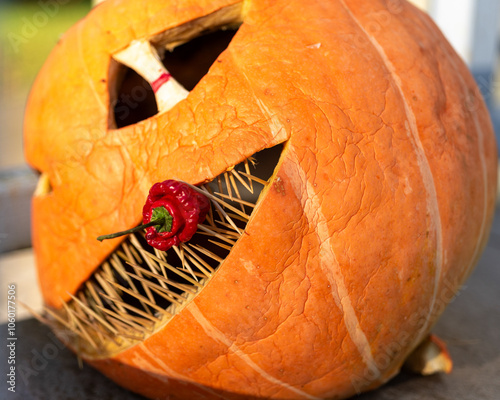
[30,29]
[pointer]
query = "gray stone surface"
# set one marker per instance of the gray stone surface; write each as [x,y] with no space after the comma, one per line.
[470,326]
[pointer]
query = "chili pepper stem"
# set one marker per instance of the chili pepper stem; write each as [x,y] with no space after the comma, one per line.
[122,233]
[161,218]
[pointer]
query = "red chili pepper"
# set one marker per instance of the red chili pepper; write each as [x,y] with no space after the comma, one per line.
[171,214]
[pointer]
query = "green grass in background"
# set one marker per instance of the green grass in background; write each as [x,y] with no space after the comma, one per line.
[28,32]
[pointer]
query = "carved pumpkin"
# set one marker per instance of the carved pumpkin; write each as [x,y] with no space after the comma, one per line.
[370,207]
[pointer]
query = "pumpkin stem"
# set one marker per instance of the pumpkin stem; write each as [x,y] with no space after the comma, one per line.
[161,219]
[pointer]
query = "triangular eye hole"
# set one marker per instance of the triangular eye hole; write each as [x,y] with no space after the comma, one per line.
[153,80]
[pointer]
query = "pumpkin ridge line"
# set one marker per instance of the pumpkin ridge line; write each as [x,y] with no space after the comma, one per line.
[482,156]
[218,336]
[170,372]
[423,163]
[329,263]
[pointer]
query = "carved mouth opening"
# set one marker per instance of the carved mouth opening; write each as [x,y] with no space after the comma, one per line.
[138,289]
[183,55]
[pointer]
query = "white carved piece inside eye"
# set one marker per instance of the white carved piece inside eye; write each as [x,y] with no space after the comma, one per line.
[143,58]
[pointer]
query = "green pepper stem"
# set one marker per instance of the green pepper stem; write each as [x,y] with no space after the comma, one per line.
[136,229]
[160,218]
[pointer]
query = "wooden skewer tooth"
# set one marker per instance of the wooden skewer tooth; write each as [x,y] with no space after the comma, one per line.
[143,58]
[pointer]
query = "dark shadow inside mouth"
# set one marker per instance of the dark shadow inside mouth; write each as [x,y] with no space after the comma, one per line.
[138,288]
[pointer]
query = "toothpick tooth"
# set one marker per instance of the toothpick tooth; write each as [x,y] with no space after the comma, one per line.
[133,309]
[128,256]
[228,233]
[254,178]
[237,217]
[210,217]
[152,285]
[236,190]
[243,202]
[125,325]
[146,289]
[215,234]
[123,273]
[66,324]
[81,306]
[173,269]
[36,315]
[139,297]
[92,313]
[228,185]
[131,247]
[123,256]
[184,263]
[153,266]
[222,245]
[160,254]
[107,271]
[112,293]
[143,58]
[79,326]
[247,170]
[227,218]
[167,297]
[157,269]
[208,253]
[247,186]
[219,183]
[206,269]
[177,285]
[190,250]
[218,208]
[205,192]
[146,324]
[93,293]
[157,288]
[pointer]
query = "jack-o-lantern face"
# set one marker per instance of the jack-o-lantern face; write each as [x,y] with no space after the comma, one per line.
[325,259]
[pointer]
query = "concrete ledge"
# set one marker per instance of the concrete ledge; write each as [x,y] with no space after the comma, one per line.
[16,188]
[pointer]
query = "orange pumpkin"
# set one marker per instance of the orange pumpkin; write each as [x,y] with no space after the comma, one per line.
[374,211]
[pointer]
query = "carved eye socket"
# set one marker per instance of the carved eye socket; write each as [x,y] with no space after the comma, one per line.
[150,79]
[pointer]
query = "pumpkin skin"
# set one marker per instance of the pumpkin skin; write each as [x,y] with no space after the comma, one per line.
[380,205]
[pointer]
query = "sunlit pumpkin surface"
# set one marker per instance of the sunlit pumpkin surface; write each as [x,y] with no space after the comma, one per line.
[351,168]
